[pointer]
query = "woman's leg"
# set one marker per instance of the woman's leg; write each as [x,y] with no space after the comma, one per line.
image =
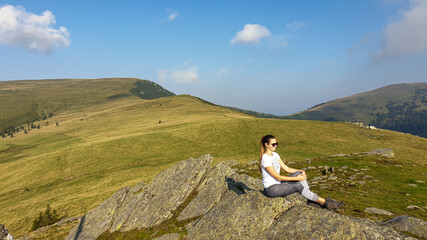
[305,192]
[329,204]
[283,189]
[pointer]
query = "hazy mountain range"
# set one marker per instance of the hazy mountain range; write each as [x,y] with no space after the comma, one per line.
[398,107]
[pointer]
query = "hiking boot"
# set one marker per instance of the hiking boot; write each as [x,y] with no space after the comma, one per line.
[315,204]
[331,204]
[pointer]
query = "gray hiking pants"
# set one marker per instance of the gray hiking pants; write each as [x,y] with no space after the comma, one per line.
[288,187]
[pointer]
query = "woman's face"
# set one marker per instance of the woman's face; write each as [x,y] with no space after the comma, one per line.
[272,145]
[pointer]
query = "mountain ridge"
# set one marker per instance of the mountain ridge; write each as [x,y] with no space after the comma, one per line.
[26,101]
[399,107]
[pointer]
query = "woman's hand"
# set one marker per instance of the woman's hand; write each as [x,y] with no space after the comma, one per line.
[302,176]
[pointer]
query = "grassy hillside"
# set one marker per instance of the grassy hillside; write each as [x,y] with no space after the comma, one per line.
[24,101]
[97,149]
[399,107]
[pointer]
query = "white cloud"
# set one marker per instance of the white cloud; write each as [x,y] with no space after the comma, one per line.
[296,25]
[172,16]
[407,36]
[30,31]
[251,60]
[189,75]
[223,71]
[251,33]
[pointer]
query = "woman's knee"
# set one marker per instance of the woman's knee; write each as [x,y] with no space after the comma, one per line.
[300,187]
[295,174]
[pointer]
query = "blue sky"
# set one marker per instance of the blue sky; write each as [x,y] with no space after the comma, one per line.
[276,57]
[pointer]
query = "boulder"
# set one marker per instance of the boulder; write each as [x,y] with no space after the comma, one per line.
[304,222]
[169,188]
[244,216]
[415,226]
[209,193]
[385,152]
[99,219]
[244,182]
[414,207]
[378,211]
[128,209]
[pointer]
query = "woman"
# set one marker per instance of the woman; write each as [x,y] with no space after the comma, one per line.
[276,185]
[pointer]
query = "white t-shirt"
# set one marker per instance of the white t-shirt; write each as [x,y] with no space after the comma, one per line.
[268,161]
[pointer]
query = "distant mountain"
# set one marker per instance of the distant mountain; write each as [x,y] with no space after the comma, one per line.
[30,100]
[399,107]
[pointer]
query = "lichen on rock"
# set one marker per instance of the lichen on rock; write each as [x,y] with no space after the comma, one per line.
[243,217]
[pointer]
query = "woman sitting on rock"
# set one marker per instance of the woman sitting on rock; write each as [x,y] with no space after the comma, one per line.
[276,185]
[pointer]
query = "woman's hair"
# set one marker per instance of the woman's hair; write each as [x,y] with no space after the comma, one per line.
[264,140]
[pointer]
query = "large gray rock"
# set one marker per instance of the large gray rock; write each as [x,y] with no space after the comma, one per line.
[303,222]
[144,206]
[408,224]
[245,216]
[385,152]
[99,219]
[213,188]
[170,189]
[244,182]
[378,211]
[210,192]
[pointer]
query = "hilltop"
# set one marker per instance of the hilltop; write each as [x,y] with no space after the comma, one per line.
[106,145]
[28,101]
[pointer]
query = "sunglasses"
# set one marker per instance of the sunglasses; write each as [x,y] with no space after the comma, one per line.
[274,144]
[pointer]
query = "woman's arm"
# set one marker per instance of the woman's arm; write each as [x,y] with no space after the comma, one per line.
[278,177]
[286,168]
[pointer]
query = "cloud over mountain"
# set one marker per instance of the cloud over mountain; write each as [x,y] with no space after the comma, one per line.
[406,36]
[30,31]
[189,75]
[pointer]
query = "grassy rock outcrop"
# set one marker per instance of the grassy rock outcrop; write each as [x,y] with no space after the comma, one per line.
[218,202]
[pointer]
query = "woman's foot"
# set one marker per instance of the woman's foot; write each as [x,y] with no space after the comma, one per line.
[331,204]
[314,204]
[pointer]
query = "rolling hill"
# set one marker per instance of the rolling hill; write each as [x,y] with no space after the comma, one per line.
[103,143]
[399,107]
[28,101]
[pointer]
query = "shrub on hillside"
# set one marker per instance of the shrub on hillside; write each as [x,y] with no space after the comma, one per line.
[48,217]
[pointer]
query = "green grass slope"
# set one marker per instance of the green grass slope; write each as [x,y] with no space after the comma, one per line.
[24,101]
[399,107]
[97,149]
